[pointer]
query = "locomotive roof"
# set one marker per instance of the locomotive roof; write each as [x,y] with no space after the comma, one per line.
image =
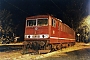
[38,16]
[42,16]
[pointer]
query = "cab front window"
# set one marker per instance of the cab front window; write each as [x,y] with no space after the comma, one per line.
[42,22]
[31,22]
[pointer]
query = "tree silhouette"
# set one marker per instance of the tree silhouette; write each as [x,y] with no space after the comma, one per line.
[84,29]
[6,25]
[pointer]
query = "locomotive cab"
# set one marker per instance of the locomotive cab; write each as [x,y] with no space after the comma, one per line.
[37,32]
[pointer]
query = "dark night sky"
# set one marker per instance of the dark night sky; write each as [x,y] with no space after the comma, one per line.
[66,10]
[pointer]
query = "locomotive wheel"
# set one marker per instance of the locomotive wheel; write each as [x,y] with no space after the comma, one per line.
[48,47]
[66,45]
[58,47]
[53,47]
[70,44]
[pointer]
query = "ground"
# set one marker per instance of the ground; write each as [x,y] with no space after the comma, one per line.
[16,55]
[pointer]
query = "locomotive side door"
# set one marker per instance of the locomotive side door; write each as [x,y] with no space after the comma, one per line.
[58,30]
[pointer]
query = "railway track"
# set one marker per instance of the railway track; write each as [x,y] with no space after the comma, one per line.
[12,44]
[11,47]
[19,46]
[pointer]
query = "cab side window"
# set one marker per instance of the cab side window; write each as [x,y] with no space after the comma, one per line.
[53,23]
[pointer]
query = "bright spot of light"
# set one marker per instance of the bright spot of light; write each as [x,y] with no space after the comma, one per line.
[86,21]
[85,26]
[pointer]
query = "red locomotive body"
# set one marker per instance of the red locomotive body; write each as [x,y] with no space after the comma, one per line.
[45,32]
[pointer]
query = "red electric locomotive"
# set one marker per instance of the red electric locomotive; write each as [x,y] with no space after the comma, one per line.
[45,32]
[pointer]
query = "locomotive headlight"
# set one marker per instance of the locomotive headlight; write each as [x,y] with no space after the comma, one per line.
[25,36]
[45,36]
[29,36]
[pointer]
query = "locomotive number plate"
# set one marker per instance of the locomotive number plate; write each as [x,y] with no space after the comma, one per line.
[35,36]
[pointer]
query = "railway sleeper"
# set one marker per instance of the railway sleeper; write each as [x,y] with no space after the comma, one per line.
[43,51]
